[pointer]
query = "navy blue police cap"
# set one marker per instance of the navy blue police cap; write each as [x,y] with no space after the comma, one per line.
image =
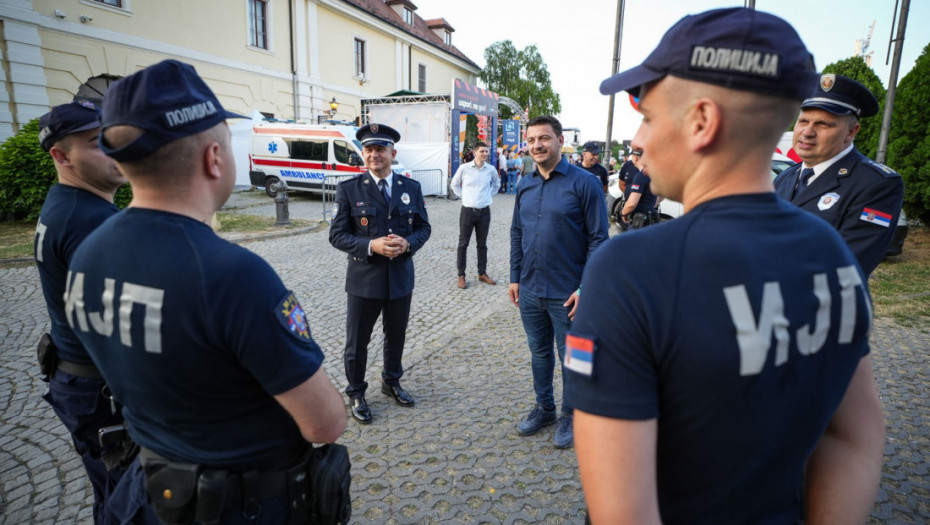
[737,48]
[591,147]
[66,119]
[168,101]
[377,135]
[842,96]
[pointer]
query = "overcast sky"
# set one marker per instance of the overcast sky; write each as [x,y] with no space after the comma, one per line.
[576,39]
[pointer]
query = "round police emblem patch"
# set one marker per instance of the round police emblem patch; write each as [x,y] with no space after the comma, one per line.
[405,198]
[363,221]
[827,81]
[374,128]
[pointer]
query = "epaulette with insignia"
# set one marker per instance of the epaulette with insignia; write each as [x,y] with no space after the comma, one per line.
[885,170]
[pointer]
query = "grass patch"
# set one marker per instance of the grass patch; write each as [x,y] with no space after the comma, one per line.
[245,223]
[900,285]
[16,239]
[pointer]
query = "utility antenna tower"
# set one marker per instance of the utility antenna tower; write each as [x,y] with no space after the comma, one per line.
[862,46]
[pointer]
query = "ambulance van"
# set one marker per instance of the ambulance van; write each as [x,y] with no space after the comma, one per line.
[301,156]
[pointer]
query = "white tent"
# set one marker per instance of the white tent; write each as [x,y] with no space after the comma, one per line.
[424,147]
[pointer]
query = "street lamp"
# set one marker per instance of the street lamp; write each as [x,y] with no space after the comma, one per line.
[333,106]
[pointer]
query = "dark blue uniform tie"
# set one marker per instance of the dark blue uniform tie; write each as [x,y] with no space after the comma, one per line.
[803,178]
[383,185]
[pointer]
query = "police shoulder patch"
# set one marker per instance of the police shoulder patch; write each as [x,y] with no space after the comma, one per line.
[579,354]
[292,317]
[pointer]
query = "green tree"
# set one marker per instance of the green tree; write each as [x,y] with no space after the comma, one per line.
[909,137]
[26,174]
[856,69]
[521,75]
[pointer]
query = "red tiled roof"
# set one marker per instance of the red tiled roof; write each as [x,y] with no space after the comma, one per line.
[438,22]
[420,29]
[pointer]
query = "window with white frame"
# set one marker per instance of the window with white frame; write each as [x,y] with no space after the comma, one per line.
[360,58]
[114,3]
[421,85]
[447,38]
[408,15]
[258,23]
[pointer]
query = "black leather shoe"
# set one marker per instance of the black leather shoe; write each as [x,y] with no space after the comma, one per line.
[401,397]
[360,410]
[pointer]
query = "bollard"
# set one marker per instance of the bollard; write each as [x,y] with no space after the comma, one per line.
[280,207]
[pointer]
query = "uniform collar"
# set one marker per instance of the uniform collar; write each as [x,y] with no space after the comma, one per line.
[389,178]
[823,166]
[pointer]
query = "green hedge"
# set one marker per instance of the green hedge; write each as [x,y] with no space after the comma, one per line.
[26,174]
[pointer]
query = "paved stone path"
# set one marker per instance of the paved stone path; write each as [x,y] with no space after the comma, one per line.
[455,457]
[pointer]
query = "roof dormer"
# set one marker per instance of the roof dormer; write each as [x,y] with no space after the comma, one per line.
[442,29]
[404,9]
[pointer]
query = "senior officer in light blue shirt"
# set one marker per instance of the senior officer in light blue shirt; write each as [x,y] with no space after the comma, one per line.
[559,219]
[475,182]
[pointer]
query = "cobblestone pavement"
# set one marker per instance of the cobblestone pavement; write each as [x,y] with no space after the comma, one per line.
[455,457]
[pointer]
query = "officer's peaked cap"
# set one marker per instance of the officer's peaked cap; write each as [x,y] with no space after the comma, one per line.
[377,135]
[737,48]
[842,96]
[168,101]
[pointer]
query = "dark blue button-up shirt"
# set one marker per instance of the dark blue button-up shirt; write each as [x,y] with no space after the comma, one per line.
[557,225]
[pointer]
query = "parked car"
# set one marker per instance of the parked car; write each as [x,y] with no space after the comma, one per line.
[669,209]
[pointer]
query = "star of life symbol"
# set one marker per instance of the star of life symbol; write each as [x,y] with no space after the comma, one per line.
[272,147]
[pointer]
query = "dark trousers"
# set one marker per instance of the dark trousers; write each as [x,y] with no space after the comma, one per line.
[361,315]
[81,406]
[478,220]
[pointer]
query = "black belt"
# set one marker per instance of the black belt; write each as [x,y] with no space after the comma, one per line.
[475,209]
[77,369]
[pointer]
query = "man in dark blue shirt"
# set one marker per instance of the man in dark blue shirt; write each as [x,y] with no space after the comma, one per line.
[73,208]
[559,219]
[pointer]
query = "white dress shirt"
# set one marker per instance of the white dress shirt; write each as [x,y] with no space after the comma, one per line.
[476,186]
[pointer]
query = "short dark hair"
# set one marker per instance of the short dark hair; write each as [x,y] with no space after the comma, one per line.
[543,120]
[479,144]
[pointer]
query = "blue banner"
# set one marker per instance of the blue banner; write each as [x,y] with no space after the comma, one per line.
[510,136]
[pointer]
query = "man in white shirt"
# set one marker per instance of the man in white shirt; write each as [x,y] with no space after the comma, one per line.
[475,182]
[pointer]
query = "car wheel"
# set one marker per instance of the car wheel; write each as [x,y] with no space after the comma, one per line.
[271,186]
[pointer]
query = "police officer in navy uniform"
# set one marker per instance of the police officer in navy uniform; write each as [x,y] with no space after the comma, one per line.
[858,196]
[740,389]
[639,206]
[380,221]
[73,208]
[210,354]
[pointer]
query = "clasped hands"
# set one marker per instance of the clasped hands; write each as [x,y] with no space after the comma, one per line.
[390,246]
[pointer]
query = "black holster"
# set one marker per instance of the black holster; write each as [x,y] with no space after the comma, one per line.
[47,355]
[120,448]
[183,492]
[330,474]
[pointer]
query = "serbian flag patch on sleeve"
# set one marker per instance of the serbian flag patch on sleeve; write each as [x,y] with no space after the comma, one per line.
[875,217]
[579,354]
